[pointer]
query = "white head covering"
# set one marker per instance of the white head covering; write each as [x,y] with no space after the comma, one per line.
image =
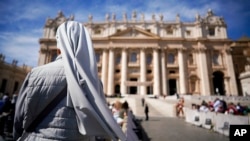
[84,88]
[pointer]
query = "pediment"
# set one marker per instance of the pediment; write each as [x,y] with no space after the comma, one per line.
[134,33]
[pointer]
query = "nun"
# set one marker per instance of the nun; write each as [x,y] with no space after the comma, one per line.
[63,100]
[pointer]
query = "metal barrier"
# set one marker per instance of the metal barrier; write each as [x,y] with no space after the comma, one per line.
[217,122]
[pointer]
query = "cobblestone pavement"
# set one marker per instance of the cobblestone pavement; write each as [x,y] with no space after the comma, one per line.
[161,128]
[174,129]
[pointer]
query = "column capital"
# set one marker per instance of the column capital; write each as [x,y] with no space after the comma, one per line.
[164,48]
[182,49]
[104,49]
[124,48]
[201,50]
[228,50]
[112,48]
[143,48]
[156,48]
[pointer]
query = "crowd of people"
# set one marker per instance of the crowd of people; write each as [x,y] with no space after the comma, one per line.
[119,110]
[219,105]
[7,111]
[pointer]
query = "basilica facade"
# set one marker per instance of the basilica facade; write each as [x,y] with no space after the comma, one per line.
[156,57]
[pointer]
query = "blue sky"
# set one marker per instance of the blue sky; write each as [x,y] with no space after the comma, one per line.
[22,21]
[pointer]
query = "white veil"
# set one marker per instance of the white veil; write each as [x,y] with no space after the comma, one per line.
[84,87]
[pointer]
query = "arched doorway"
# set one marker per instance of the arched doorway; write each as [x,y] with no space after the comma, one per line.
[218,83]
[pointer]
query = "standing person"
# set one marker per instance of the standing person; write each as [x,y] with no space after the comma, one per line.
[81,113]
[179,107]
[146,111]
[177,95]
[142,101]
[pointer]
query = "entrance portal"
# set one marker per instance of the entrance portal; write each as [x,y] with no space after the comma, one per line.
[172,86]
[149,90]
[117,89]
[218,81]
[133,90]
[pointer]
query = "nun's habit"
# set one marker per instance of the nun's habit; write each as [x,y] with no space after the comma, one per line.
[84,87]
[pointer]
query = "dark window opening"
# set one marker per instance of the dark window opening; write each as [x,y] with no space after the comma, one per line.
[172,72]
[15,87]
[133,79]
[172,86]
[149,71]
[211,31]
[3,86]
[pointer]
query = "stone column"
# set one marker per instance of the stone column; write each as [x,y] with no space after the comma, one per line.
[111,72]
[178,86]
[204,70]
[104,70]
[124,71]
[245,76]
[182,71]
[231,72]
[43,55]
[156,90]
[143,70]
[226,82]
[163,73]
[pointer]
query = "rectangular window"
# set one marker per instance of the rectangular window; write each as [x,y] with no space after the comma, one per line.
[169,30]
[188,32]
[171,58]
[216,59]
[97,31]
[149,59]
[118,59]
[211,31]
[97,56]
[133,57]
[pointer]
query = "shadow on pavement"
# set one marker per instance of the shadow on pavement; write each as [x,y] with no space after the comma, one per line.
[140,132]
